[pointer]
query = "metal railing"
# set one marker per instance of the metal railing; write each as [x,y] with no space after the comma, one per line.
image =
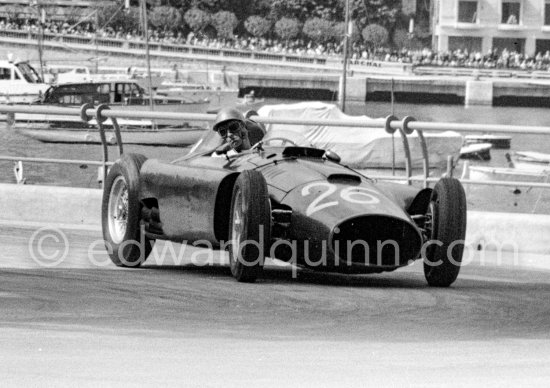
[479,72]
[184,50]
[391,124]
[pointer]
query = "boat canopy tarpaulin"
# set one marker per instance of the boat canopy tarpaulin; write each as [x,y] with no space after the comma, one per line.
[362,148]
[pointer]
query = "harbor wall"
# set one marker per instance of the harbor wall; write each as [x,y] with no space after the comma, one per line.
[431,89]
[79,207]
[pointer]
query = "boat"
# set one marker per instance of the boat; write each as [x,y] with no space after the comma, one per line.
[362,148]
[531,161]
[519,197]
[122,95]
[511,174]
[523,166]
[198,91]
[131,133]
[250,101]
[477,151]
[19,82]
[498,141]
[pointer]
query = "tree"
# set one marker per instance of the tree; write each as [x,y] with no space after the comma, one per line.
[319,30]
[73,14]
[15,12]
[167,18]
[340,30]
[257,26]
[287,28]
[130,19]
[196,19]
[106,12]
[303,9]
[401,39]
[382,12]
[113,15]
[375,35]
[225,22]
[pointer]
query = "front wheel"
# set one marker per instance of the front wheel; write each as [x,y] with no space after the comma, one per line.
[124,238]
[249,226]
[446,230]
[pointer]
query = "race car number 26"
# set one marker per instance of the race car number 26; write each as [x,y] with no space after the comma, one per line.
[360,195]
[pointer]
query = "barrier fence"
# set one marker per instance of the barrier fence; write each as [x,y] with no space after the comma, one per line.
[32,37]
[391,124]
[223,55]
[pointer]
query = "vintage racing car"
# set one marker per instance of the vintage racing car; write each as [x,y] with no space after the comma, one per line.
[286,200]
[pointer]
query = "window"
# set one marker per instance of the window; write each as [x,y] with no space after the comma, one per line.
[511,12]
[467,11]
[74,94]
[547,13]
[5,73]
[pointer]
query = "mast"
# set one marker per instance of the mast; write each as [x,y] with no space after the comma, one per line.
[41,20]
[41,41]
[347,34]
[96,40]
[148,59]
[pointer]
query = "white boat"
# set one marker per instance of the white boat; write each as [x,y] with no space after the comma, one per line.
[19,83]
[523,166]
[498,141]
[216,96]
[508,174]
[131,133]
[531,161]
[362,148]
[478,151]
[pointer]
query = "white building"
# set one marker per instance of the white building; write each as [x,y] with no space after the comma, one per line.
[480,25]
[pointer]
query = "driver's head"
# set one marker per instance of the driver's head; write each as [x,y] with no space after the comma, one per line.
[230,124]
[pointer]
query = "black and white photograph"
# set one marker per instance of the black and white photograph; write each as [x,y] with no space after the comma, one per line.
[275,193]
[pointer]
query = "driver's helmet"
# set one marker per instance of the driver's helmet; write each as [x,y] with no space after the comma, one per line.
[227,114]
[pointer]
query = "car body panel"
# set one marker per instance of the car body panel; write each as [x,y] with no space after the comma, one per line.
[186,197]
[328,203]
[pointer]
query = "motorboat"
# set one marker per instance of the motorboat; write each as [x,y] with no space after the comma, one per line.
[498,141]
[20,83]
[363,148]
[522,167]
[132,132]
[477,151]
[122,95]
[531,161]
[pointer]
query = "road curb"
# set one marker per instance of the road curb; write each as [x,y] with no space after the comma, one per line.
[80,207]
[50,204]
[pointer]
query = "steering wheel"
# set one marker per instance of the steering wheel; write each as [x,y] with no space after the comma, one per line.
[283,141]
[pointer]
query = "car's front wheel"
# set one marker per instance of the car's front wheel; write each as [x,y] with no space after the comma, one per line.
[124,238]
[446,229]
[249,226]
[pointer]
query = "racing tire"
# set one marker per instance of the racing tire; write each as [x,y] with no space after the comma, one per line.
[446,227]
[249,226]
[125,240]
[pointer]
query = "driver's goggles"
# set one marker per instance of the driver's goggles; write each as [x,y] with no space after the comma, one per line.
[230,127]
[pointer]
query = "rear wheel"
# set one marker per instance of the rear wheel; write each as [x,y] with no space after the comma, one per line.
[124,238]
[446,229]
[249,226]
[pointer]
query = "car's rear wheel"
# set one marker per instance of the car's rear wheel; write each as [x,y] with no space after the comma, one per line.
[446,229]
[249,226]
[125,240]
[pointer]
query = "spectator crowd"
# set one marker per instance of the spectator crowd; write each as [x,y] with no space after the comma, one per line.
[494,59]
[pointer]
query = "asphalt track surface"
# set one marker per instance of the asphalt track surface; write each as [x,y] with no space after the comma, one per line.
[85,322]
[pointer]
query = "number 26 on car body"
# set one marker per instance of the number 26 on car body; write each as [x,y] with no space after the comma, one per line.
[359,195]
